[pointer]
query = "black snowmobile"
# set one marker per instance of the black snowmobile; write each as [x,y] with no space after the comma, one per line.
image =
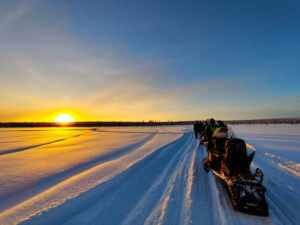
[228,159]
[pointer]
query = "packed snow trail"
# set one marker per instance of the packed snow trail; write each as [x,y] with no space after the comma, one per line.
[138,175]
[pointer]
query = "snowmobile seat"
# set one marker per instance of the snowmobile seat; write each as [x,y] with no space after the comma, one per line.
[235,158]
[219,144]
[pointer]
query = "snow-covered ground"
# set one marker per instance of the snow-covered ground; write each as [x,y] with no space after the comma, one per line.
[137,175]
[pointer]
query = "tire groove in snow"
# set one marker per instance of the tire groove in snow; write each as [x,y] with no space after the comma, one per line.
[169,208]
[85,197]
[147,191]
[48,181]
[11,151]
[201,210]
[144,202]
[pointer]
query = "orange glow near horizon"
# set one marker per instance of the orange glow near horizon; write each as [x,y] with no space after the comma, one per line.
[64,118]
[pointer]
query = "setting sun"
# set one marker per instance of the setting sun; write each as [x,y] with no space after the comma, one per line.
[64,118]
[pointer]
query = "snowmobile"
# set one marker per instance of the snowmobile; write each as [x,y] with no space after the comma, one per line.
[228,160]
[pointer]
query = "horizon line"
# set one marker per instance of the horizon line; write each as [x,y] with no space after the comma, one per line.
[154,121]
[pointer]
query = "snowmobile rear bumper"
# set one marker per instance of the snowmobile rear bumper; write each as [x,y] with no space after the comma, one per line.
[249,196]
[260,209]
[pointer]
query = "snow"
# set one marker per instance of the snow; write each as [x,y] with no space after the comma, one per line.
[137,175]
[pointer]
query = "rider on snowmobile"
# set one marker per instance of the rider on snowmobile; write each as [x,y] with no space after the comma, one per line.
[212,125]
[211,128]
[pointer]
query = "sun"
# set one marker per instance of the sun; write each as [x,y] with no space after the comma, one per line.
[64,118]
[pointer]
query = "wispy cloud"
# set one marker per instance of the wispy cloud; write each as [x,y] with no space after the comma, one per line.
[14,11]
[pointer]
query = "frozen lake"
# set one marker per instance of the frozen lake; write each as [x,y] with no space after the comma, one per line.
[137,175]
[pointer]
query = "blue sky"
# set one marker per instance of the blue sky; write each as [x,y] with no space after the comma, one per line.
[141,60]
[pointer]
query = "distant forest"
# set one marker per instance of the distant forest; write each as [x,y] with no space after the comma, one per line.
[149,123]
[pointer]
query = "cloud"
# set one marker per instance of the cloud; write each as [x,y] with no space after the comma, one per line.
[137,99]
[12,12]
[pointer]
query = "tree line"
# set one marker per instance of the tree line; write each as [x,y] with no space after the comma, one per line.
[148,123]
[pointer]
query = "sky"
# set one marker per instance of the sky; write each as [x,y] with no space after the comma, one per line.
[136,60]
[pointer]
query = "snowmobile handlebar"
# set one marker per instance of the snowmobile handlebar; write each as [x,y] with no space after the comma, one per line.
[259,173]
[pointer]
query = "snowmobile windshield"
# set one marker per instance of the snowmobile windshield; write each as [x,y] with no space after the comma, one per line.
[224,132]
